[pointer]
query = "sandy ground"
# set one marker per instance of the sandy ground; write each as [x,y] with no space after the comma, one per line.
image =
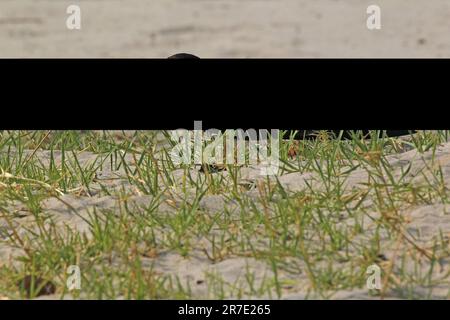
[225,28]
[426,222]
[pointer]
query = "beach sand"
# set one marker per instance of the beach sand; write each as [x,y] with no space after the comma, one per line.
[225,28]
[425,224]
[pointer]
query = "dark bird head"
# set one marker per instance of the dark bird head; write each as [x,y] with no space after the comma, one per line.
[183,56]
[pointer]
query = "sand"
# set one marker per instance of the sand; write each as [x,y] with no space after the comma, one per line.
[225,28]
[426,223]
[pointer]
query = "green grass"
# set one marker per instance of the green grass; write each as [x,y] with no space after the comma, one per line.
[318,241]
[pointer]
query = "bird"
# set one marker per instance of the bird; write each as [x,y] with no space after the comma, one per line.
[183,56]
[308,134]
[346,134]
[297,135]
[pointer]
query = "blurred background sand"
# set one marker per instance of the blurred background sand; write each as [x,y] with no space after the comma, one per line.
[225,28]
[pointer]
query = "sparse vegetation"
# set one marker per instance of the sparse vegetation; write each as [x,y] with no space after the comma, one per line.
[140,227]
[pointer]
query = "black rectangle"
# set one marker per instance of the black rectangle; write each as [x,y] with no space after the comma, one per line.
[295,309]
[233,93]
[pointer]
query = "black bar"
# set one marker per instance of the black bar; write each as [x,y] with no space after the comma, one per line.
[234,93]
[173,309]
